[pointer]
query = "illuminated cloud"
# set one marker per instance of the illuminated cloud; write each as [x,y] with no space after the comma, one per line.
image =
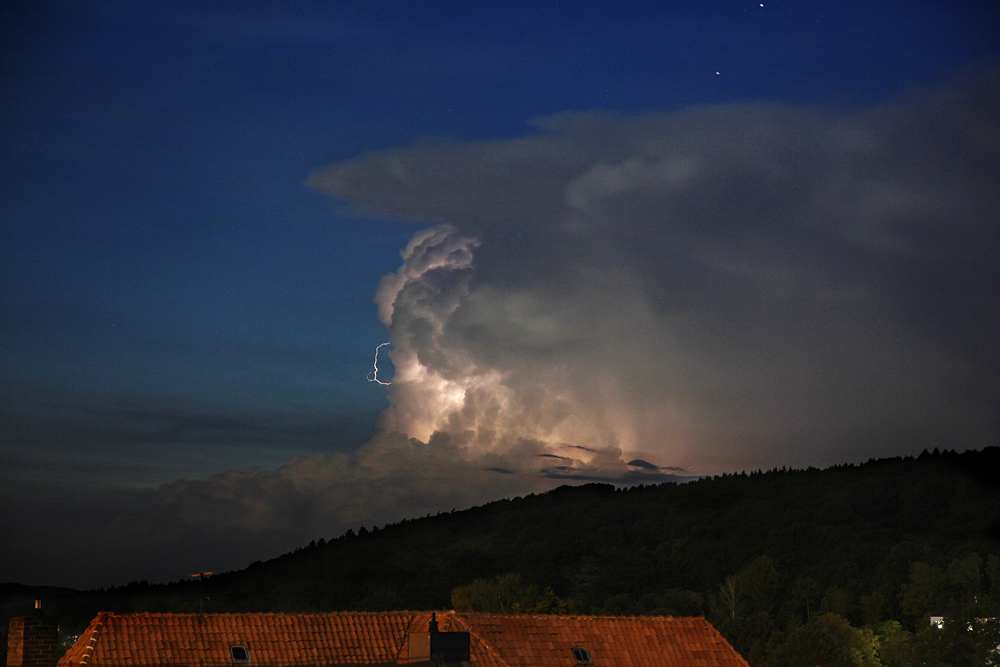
[627,299]
[720,287]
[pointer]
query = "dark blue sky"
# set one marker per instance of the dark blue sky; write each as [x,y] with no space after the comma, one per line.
[176,302]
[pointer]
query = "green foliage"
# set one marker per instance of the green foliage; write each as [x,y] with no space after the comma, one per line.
[753,589]
[837,600]
[745,607]
[754,636]
[678,602]
[508,594]
[761,584]
[968,639]
[829,641]
[892,642]
[967,574]
[924,592]
[803,597]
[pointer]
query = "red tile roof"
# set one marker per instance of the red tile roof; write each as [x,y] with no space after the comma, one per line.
[293,640]
[638,641]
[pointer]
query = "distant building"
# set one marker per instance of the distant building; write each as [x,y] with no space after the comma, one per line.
[394,638]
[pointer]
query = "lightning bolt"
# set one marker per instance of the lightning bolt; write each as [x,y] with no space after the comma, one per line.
[373,376]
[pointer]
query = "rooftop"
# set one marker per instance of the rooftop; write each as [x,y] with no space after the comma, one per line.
[338,638]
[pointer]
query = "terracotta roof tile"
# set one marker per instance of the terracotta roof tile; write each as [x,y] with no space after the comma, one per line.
[547,641]
[496,640]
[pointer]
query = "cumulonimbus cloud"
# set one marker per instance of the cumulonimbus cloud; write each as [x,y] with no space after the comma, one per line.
[623,298]
[706,285]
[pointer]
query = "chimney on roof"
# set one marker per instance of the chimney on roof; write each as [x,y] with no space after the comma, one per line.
[33,640]
[437,646]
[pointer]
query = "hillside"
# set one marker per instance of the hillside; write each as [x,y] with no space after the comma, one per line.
[888,539]
[624,550]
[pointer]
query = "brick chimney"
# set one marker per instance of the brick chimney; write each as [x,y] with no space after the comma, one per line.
[33,640]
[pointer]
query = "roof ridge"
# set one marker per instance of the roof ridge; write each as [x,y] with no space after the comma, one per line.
[121,614]
[489,647]
[588,616]
[98,625]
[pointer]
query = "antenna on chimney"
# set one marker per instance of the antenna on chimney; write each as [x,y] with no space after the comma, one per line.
[201,601]
[433,625]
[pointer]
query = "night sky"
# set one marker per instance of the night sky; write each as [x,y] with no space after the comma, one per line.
[607,242]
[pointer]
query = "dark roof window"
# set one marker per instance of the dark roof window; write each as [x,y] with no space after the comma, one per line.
[240,654]
[582,655]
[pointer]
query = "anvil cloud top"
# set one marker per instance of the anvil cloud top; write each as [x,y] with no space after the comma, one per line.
[638,243]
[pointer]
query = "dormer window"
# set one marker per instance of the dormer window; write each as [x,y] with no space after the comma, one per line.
[582,655]
[241,655]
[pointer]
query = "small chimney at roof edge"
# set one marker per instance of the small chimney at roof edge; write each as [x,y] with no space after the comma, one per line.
[33,640]
[437,646]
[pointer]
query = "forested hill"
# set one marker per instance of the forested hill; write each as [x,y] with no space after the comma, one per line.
[889,539]
[631,551]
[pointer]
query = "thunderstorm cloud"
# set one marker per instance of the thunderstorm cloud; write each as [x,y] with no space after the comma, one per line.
[723,286]
[644,298]
[636,298]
